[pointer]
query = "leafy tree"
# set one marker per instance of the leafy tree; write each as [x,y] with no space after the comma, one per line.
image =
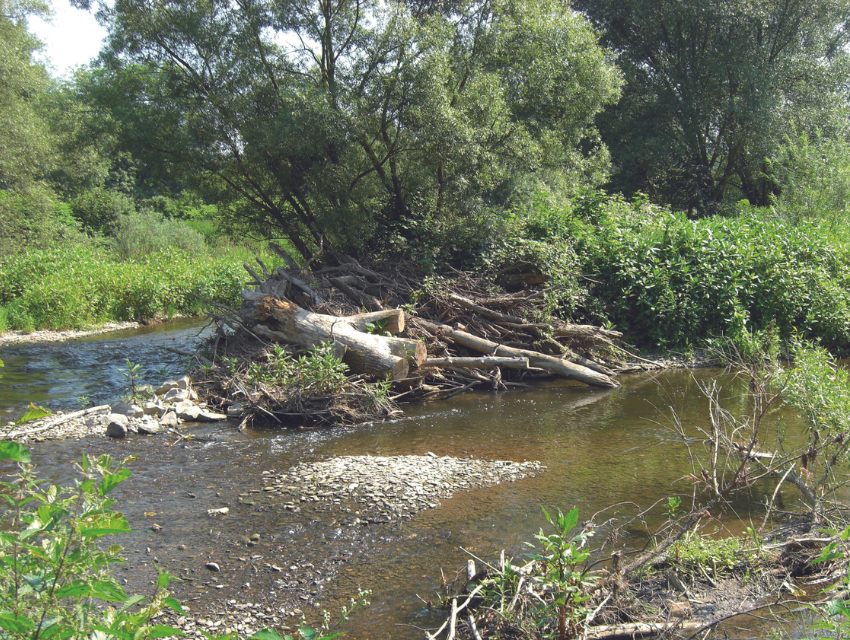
[332,120]
[712,86]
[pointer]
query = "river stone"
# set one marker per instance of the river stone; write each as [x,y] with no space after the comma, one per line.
[187,411]
[235,410]
[184,382]
[165,387]
[153,409]
[116,427]
[176,395]
[169,420]
[148,427]
[127,409]
[212,566]
[205,415]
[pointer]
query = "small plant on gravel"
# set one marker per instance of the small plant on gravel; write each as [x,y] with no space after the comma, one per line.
[561,556]
[55,577]
[132,373]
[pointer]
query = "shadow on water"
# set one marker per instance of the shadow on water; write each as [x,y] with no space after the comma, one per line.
[600,448]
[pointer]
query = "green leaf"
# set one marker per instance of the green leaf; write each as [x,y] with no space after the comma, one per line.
[34,413]
[173,603]
[131,601]
[112,480]
[14,451]
[20,624]
[73,589]
[571,520]
[267,634]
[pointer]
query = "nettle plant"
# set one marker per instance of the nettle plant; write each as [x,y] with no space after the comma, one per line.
[55,577]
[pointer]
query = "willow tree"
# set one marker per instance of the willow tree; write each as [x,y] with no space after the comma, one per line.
[334,118]
[712,86]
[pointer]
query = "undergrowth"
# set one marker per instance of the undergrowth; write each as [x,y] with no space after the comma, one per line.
[76,287]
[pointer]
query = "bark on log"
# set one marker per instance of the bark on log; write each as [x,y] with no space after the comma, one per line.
[486,362]
[366,353]
[539,360]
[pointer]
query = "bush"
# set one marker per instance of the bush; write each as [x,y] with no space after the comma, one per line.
[142,234]
[74,287]
[99,209]
[672,281]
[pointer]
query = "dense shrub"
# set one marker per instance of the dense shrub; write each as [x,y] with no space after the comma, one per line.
[142,234]
[73,287]
[671,280]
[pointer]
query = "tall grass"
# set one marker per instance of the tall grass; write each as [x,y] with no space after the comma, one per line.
[78,286]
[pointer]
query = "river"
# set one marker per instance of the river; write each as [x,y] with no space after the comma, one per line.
[600,447]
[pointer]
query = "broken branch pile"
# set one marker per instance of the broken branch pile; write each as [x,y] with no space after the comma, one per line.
[454,333]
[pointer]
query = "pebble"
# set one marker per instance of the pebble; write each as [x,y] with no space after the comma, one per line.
[385,489]
[212,566]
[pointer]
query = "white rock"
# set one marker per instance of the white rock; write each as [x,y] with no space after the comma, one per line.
[205,415]
[166,386]
[169,420]
[149,428]
[184,383]
[153,409]
[127,409]
[176,395]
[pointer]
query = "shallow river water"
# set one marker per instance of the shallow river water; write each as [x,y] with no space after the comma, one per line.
[599,447]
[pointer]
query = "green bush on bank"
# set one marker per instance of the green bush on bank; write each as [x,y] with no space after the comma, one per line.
[670,281]
[78,286]
[674,280]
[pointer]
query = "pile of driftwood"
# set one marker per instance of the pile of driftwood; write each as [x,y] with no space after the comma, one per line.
[431,337]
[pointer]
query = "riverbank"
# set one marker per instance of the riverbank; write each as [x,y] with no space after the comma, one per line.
[10,338]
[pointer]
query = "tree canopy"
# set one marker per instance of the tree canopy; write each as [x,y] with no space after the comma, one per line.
[711,88]
[333,120]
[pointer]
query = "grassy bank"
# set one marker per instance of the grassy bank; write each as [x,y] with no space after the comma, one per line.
[74,287]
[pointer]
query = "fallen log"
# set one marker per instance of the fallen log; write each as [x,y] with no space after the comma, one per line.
[538,360]
[477,363]
[282,320]
[640,629]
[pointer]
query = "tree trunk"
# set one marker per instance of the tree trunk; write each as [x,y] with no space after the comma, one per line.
[365,353]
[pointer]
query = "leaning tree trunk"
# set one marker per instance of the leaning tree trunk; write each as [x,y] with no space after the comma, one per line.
[385,356]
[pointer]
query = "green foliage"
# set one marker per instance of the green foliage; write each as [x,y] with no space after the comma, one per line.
[317,372]
[561,555]
[99,210]
[55,579]
[695,554]
[78,286]
[411,121]
[814,174]
[711,87]
[820,390]
[143,234]
[670,280]
[133,374]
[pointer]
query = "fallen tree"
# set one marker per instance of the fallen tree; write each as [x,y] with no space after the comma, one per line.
[382,356]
